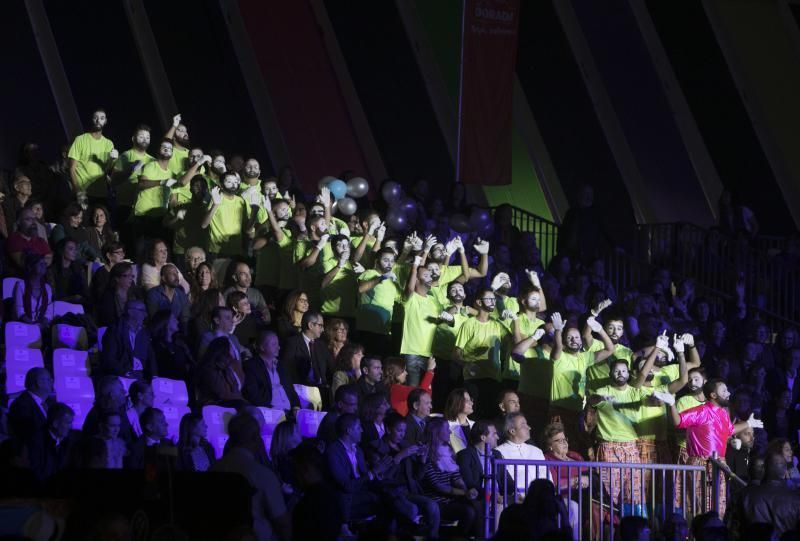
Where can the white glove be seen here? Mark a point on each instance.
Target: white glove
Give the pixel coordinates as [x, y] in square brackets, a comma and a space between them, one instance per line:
[736, 443]
[181, 214]
[374, 224]
[417, 260]
[430, 242]
[666, 398]
[325, 197]
[265, 202]
[114, 154]
[558, 322]
[381, 232]
[481, 246]
[416, 242]
[450, 247]
[662, 342]
[176, 120]
[358, 268]
[538, 333]
[83, 200]
[390, 276]
[509, 314]
[678, 344]
[458, 244]
[534, 278]
[601, 306]
[323, 240]
[170, 182]
[593, 324]
[216, 196]
[688, 340]
[446, 316]
[498, 281]
[205, 159]
[752, 422]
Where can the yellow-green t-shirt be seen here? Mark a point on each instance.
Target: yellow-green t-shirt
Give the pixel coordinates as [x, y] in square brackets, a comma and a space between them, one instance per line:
[225, 230]
[651, 423]
[448, 274]
[339, 297]
[599, 374]
[536, 371]
[127, 189]
[338, 227]
[569, 380]
[92, 157]
[179, 162]
[268, 268]
[288, 270]
[616, 422]
[310, 279]
[368, 259]
[375, 310]
[419, 324]
[150, 201]
[444, 340]
[481, 346]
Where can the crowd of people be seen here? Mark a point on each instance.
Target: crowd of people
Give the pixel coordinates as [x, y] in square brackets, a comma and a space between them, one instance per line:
[432, 332]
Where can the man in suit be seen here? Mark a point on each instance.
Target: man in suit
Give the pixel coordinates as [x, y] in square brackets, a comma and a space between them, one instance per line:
[419, 408]
[306, 358]
[127, 349]
[265, 380]
[28, 413]
[345, 401]
[471, 460]
[371, 378]
[154, 434]
[51, 447]
[109, 397]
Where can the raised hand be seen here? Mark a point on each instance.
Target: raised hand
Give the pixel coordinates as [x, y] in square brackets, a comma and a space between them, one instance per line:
[381, 232]
[430, 242]
[662, 342]
[481, 246]
[498, 281]
[602, 305]
[417, 261]
[688, 340]
[594, 324]
[205, 159]
[533, 277]
[509, 314]
[216, 196]
[358, 268]
[114, 154]
[752, 422]
[678, 344]
[325, 197]
[558, 321]
[459, 246]
[176, 120]
[265, 202]
[323, 240]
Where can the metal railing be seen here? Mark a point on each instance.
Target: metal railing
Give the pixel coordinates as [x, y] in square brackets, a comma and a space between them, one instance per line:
[608, 492]
[544, 230]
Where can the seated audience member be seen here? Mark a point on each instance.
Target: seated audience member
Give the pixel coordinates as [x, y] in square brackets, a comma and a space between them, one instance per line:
[305, 357]
[194, 257]
[271, 520]
[99, 233]
[17, 199]
[285, 438]
[200, 317]
[109, 424]
[472, 460]
[265, 381]
[516, 447]
[457, 410]
[154, 433]
[27, 414]
[168, 295]
[347, 366]
[69, 276]
[109, 397]
[157, 257]
[784, 447]
[72, 228]
[118, 292]
[373, 411]
[194, 451]
[140, 397]
[222, 327]
[315, 497]
[242, 279]
[344, 401]
[127, 348]
[25, 240]
[336, 333]
[442, 481]
[371, 380]
[418, 404]
[51, 448]
[773, 501]
[173, 357]
[394, 378]
[246, 325]
[203, 279]
[33, 296]
[219, 377]
[290, 323]
[571, 481]
[113, 253]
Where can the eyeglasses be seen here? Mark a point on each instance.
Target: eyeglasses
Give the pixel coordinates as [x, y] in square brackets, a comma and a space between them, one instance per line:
[489, 299]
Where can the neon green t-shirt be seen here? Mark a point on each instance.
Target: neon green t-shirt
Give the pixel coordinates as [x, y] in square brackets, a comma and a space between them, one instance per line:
[481, 346]
[537, 370]
[179, 162]
[339, 297]
[225, 230]
[419, 324]
[126, 190]
[368, 259]
[150, 201]
[338, 227]
[651, 423]
[375, 310]
[444, 339]
[569, 380]
[616, 422]
[310, 279]
[268, 268]
[448, 274]
[599, 374]
[92, 157]
[288, 270]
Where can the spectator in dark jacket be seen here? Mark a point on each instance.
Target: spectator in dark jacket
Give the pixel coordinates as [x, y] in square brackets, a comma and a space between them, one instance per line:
[266, 382]
[127, 347]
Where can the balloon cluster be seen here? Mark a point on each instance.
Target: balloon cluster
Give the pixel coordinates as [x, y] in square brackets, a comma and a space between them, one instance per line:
[402, 210]
[345, 193]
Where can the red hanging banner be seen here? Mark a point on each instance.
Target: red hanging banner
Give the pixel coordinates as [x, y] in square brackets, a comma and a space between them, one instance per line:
[488, 62]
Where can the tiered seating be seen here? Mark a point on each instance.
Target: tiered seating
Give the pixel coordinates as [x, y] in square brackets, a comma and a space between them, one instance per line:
[172, 397]
[271, 419]
[308, 421]
[310, 397]
[216, 418]
[18, 361]
[70, 336]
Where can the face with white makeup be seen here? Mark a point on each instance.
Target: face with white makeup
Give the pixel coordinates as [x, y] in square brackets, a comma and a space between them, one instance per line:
[218, 164]
[99, 120]
[230, 183]
[252, 169]
[182, 135]
[165, 150]
[270, 189]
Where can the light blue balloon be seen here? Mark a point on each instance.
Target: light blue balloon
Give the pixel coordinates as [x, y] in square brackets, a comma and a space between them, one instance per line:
[338, 188]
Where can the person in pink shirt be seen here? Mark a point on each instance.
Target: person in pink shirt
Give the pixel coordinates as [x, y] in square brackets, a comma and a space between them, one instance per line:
[708, 428]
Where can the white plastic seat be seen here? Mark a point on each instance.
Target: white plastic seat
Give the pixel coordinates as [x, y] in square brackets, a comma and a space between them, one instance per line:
[70, 337]
[171, 392]
[22, 335]
[271, 419]
[18, 362]
[217, 418]
[70, 362]
[72, 387]
[62, 307]
[81, 406]
[310, 397]
[174, 414]
[8, 287]
[309, 421]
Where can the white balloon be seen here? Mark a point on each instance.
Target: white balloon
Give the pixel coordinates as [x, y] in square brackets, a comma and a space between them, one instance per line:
[347, 206]
[357, 187]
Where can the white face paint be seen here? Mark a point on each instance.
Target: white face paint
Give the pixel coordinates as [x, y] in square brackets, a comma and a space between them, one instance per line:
[181, 133]
[99, 120]
[231, 183]
[322, 227]
[270, 190]
[141, 139]
[317, 210]
[252, 169]
[282, 212]
[195, 156]
[165, 151]
[219, 164]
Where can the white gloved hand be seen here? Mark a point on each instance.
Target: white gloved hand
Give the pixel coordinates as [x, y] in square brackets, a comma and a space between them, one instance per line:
[216, 196]
[446, 316]
[205, 159]
[602, 305]
[678, 344]
[381, 232]
[497, 281]
[430, 242]
[666, 398]
[736, 443]
[390, 276]
[181, 214]
[450, 247]
[481, 246]
[558, 322]
[458, 245]
[323, 240]
[509, 314]
[752, 422]
[83, 200]
[662, 342]
[538, 333]
[417, 260]
[325, 197]
[374, 224]
[114, 154]
[170, 182]
[176, 120]
[594, 324]
[534, 278]
[416, 242]
[688, 340]
[265, 202]
[358, 268]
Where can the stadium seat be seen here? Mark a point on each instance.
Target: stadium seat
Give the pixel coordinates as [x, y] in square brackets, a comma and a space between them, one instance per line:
[61, 307]
[72, 387]
[309, 421]
[70, 337]
[81, 406]
[216, 418]
[271, 419]
[174, 414]
[70, 362]
[310, 397]
[18, 362]
[22, 335]
[170, 392]
[8, 287]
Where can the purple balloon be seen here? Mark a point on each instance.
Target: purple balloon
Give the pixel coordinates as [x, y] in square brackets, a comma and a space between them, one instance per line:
[391, 192]
[479, 218]
[396, 220]
[459, 223]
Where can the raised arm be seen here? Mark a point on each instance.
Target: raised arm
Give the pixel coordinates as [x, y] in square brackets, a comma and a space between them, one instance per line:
[683, 372]
[558, 344]
[216, 201]
[522, 346]
[692, 356]
[311, 258]
[411, 284]
[608, 345]
[662, 343]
